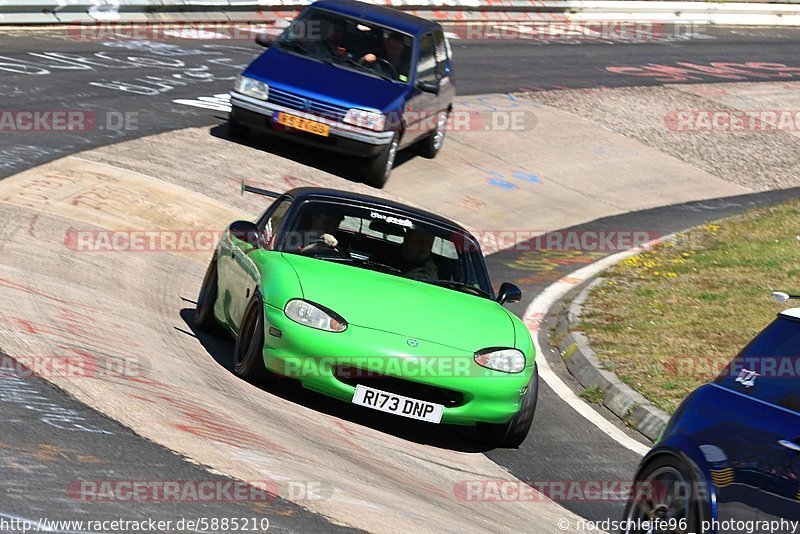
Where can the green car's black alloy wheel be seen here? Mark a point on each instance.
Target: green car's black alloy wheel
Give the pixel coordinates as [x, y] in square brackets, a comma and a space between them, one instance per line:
[248, 359]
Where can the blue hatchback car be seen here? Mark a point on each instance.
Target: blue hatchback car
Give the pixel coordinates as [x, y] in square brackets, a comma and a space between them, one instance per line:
[730, 455]
[354, 78]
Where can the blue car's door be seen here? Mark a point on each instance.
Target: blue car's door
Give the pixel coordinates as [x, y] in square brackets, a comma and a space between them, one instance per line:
[422, 106]
[767, 374]
[780, 471]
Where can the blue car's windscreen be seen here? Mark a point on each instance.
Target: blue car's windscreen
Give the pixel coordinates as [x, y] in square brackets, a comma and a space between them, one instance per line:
[348, 43]
[769, 367]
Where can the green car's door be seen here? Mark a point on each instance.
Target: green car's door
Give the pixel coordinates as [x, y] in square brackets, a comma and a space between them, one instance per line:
[243, 275]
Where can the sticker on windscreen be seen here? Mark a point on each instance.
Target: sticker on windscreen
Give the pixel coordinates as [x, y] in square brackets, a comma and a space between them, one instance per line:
[391, 219]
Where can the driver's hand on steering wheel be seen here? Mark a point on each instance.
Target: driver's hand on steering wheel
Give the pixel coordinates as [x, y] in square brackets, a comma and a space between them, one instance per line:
[369, 58]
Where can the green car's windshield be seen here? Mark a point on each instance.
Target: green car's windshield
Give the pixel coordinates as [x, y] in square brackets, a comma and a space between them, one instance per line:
[348, 43]
[389, 242]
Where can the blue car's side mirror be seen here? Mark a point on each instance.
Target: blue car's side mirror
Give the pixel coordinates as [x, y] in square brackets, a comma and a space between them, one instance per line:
[264, 40]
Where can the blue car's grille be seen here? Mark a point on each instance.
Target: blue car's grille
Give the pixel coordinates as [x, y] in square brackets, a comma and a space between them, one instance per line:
[309, 105]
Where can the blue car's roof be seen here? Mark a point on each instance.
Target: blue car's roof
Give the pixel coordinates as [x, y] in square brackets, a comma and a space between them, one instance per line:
[383, 16]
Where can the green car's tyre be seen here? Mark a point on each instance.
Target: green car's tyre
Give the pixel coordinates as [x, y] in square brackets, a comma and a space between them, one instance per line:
[204, 310]
[378, 170]
[248, 359]
[512, 434]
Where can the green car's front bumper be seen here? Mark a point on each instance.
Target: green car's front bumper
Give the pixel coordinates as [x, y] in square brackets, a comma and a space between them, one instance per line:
[409, 367]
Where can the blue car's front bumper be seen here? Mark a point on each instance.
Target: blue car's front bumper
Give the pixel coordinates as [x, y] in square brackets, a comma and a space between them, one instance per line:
[344, 138]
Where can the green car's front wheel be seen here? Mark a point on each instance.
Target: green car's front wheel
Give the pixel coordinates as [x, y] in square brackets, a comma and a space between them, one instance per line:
[248, 359]
[513, 433]
[204, 311]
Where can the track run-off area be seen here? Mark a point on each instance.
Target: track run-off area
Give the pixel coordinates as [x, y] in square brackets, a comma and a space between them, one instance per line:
[156, 158]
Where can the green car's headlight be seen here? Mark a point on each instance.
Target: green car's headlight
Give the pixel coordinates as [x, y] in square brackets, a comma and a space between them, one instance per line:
[505, 360]
[315, 316]
[250, 87]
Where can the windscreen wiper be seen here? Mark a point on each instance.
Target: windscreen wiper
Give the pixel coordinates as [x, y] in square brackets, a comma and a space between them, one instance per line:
[368, 70]
[455, 284]
[373, 263]
[297, 47]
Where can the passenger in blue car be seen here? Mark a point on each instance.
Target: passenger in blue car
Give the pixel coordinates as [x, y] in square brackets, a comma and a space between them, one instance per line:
[334, 38]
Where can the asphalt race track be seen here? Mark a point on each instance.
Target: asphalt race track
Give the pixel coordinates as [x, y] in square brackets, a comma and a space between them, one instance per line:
[136, 89]
[55, 70]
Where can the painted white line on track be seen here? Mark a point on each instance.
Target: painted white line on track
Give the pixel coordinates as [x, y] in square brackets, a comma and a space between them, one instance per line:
[534, 314]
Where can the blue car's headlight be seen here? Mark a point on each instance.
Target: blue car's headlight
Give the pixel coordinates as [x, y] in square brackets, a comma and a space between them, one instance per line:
[365, 119]
[312, 315]
[250, 87]
[505, 360]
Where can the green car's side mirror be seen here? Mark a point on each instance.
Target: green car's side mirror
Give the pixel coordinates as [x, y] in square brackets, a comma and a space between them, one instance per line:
[246, 231]
[508, 293]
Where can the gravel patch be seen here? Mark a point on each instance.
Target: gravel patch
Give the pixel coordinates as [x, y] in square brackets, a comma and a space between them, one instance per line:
[756, 160]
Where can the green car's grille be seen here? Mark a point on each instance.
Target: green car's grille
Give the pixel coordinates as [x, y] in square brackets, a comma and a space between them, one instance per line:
[354, 376]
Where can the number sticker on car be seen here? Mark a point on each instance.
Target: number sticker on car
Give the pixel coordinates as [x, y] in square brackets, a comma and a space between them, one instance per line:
[398, 405]
[299, 123]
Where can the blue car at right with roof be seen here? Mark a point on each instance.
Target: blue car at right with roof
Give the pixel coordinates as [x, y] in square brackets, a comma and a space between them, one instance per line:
[352, 78]
[730, 455]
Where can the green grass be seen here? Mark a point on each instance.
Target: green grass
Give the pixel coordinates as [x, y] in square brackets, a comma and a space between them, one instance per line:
[593, 395]
[669, 319]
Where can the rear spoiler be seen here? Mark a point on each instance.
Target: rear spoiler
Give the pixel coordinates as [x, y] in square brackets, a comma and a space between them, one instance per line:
[258, 190]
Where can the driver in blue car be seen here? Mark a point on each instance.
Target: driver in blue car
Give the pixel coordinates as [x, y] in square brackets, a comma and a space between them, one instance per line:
[393, 52]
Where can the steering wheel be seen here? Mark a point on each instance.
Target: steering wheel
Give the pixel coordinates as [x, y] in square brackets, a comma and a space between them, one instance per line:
[381, 65]
[312, 248]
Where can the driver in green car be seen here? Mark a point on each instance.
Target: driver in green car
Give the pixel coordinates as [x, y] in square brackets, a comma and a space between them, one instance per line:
[320, 235]
[416, 256]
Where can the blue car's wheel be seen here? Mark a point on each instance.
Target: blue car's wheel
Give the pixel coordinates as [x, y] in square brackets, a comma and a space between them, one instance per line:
[430, 146]
[379, 169]
[248, 359]
[512, 434]
[236, 129]
[665, 497]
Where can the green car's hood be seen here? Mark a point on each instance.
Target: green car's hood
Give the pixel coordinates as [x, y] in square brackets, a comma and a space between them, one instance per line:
[402, 306]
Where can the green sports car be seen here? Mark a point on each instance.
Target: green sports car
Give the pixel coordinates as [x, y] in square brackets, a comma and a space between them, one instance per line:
[373, 303]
